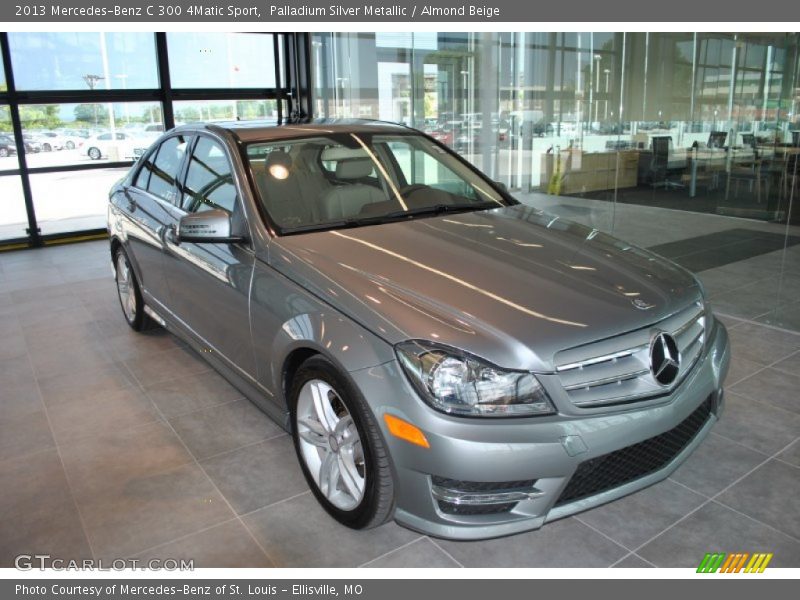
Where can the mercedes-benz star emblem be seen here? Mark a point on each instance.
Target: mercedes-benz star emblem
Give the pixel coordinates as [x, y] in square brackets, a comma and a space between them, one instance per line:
[665, 360]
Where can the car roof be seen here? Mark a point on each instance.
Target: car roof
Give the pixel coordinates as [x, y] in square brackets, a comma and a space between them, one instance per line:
[267, 131]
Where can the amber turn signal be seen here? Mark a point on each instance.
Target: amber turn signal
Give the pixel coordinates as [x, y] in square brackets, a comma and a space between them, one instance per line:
[405, 431]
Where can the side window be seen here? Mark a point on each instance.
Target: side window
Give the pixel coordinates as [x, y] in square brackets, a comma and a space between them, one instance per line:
[143, 176]
[104, 137]
[209, 180]
[165, 167]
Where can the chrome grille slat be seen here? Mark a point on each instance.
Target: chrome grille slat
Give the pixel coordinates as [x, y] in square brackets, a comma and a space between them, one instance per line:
[607, 380]
[617, 370]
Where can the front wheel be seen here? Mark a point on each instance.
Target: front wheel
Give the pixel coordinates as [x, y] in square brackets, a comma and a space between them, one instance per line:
[95, 154]
[339, 445]
[70, 145]
[3, 152]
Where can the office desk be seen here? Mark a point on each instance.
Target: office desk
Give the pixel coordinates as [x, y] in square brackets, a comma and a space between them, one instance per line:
[710, 161]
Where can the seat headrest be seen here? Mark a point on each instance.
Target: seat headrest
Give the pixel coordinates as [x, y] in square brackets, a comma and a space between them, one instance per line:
[353, 168]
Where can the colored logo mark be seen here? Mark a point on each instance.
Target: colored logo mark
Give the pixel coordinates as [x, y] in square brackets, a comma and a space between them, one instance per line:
[737, 562]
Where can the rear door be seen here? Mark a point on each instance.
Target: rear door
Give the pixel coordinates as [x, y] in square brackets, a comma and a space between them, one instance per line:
[209, 283]
[148, 203]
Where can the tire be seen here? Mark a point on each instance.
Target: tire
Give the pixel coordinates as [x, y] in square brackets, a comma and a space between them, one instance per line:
[376, 504]
[94, 153]
[129, 294]
[3, 152]
[70, 145]
[47, 147]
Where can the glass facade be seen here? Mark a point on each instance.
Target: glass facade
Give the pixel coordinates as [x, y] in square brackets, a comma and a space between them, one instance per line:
[89, 104]
[684, 143]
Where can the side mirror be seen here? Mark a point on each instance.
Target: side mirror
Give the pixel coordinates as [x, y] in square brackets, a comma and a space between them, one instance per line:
[209, 226]
[502, 186]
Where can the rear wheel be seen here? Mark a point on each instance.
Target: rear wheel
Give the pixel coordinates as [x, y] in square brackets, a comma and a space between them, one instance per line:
[47, 147]
[130, 297]
[3, 152]
[94, 153]
[339, 445]
[70, 145]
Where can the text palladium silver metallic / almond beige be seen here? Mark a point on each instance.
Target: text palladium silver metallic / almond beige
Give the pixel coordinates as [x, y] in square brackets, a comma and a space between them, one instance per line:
[442, 354]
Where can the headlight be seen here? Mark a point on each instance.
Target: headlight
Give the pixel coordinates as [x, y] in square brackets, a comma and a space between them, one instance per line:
[457, 383]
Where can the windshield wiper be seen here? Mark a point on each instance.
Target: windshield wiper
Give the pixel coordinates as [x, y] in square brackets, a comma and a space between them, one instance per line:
[438, 209]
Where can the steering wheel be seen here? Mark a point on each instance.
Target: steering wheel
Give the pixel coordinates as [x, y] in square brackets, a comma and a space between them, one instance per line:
[410, 189]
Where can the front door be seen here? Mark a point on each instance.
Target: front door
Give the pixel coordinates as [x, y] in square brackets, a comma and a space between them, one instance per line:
[209, 283]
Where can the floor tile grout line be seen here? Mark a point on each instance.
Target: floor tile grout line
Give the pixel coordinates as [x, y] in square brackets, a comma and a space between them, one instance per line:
[751, 320]
[450, 556]
[196, 410]
[180, 538]
[26, 455]
[71, 489]
[757, 323]
[738, 443]
[628, 555]
[711, 498]
[752, 518]
[755, 520]
[788, 412]
[605, 535]
[276, 503]
[787, 463]
[390, 552]
[271, 438]
[764, 368]
[208, 477]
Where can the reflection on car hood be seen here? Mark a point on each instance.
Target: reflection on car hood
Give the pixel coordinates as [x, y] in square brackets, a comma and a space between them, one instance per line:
[513, 285]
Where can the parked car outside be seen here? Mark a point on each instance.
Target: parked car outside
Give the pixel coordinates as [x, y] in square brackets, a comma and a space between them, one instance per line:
[32, 143]
[116, 145]
[7, 146]
[441, 354]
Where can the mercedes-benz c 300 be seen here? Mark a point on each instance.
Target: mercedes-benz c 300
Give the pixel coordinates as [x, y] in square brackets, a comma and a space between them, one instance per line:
[442, 354]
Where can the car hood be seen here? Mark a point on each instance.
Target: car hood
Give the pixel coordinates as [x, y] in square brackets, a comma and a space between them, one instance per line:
[512, 285]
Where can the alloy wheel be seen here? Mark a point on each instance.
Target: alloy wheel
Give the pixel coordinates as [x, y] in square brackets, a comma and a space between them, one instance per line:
[330, 445]
[127, 294]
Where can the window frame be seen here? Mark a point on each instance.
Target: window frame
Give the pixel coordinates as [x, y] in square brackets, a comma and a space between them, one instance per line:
[291, 92]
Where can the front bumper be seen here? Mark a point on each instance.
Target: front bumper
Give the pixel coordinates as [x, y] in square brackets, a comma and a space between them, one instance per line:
[544, 450]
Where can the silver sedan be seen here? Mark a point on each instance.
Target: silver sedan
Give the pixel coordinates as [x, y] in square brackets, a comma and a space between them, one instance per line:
[442, 354]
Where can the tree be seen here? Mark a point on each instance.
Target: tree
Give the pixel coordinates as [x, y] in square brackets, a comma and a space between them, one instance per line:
[92, 114]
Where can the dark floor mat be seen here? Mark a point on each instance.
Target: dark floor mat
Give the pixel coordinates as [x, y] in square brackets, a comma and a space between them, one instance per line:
[723, 248]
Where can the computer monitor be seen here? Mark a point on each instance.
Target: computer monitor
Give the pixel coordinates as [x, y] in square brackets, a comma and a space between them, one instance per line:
[716, 139]
[796, 138]
[749, 139]
[659, 142]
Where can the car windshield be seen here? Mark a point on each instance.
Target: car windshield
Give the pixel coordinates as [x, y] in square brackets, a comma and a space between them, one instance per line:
[349, 180]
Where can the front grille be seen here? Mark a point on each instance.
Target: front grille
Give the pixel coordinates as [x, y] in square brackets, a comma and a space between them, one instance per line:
[628, 464]
[617, 370]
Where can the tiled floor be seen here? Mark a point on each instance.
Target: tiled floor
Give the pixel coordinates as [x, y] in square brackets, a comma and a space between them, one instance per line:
[94, 462]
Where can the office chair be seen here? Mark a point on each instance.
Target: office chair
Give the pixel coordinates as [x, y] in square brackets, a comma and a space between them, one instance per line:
[659, 166]
[750, 174]
[716, 139]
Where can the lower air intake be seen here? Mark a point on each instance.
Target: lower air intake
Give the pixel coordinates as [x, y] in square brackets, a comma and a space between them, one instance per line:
[633, 462]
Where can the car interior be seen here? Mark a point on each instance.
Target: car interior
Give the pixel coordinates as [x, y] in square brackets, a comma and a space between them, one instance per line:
[319, 181]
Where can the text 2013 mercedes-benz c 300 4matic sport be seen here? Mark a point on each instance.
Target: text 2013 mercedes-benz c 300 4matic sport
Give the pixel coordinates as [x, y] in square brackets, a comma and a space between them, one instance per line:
[442, 354]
